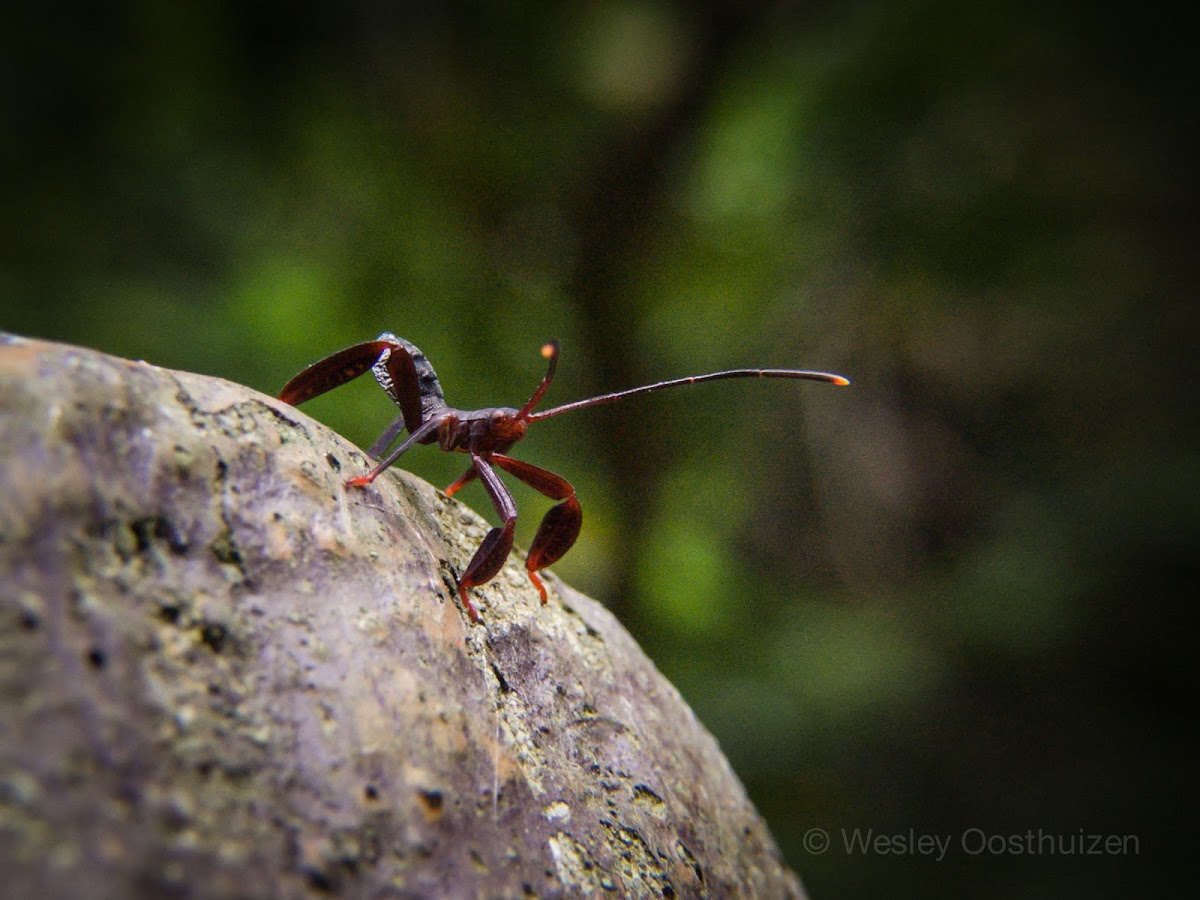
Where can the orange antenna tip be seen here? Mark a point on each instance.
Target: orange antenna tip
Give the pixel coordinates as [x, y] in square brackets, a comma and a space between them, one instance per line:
[549, 349]
[838, 379]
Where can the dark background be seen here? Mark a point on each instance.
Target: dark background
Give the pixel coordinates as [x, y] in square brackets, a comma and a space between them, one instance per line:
[957, 595]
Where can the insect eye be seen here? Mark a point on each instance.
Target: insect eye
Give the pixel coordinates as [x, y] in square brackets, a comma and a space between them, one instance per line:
[498, 417]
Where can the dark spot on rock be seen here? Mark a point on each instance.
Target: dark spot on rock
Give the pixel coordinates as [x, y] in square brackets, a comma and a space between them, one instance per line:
[504, 685]
[174, 818]
[214, 690]
[144, 531]
[156, 528]
[97, 658]
[320, 881]
[214, 634]
[222, 468]
[371, 792]
[225, 550]
[30, 621]
[643, 794]
[333, 462]
[668, 891]
[432, 800]
[169, 613]
[685, 855]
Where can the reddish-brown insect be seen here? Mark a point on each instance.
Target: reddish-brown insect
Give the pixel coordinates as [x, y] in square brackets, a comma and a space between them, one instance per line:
[486, 434]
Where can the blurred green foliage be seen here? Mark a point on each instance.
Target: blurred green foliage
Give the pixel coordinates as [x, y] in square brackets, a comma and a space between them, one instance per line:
[949, 597]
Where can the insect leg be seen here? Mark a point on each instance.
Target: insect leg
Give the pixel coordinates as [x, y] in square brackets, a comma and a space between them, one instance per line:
[333, 371]
[561, 524]
[415, 437]
[384, 441]
[467, 477]
[492, 553]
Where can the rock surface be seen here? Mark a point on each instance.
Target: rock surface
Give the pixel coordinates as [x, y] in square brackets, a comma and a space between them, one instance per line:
[225, 674]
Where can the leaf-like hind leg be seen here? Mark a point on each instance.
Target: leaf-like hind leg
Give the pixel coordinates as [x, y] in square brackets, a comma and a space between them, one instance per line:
[561, 524]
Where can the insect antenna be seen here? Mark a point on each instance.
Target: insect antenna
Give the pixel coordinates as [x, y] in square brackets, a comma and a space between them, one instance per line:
[529, 415]
[550, 352]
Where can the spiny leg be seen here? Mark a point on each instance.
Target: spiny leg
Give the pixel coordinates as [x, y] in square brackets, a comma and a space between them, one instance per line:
[492, 553]
[560, 526]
